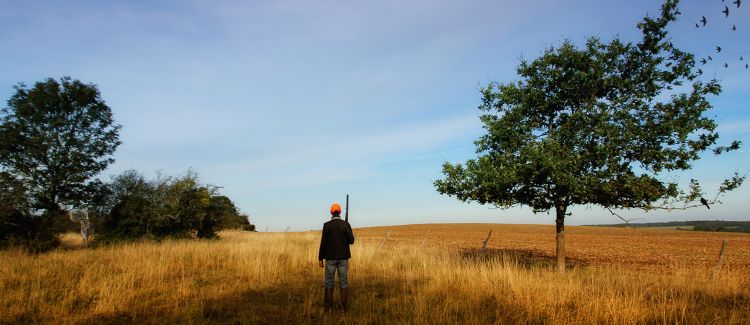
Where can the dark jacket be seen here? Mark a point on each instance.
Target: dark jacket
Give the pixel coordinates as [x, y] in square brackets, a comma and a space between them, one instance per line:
[335, 240]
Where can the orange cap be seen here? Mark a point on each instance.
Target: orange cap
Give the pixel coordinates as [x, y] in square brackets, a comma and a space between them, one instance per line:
[335, 208]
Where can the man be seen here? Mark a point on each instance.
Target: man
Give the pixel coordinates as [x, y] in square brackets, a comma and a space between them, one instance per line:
[334, 249]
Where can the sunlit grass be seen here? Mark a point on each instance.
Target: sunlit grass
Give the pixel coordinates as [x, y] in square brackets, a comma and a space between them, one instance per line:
[274, 278]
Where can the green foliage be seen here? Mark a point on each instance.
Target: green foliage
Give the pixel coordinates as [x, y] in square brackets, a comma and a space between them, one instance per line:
[223, 210]
[594, 125]
[54, 138]
[176, 207]
[18, 227]
[13, 200]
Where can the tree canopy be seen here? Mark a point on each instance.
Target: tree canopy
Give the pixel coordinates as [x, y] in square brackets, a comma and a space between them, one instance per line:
[55, 137]
[598, 125]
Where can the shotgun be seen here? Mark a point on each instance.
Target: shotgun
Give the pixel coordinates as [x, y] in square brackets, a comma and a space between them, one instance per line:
[346, 214]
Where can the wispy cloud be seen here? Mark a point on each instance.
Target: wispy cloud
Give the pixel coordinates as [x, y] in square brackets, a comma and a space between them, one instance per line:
[734, 127]
[337, 157]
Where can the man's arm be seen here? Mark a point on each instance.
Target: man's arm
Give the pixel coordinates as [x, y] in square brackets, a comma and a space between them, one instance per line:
[349, 234]
[322, 243]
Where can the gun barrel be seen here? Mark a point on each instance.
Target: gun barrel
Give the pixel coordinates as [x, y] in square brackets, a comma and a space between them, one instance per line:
[346, 214]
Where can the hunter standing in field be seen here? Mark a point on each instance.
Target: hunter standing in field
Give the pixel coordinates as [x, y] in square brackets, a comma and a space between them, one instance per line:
[334, 249]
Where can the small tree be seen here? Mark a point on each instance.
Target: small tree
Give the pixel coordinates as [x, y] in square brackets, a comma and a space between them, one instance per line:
[54, 138]
[599, 125]
[127, 212]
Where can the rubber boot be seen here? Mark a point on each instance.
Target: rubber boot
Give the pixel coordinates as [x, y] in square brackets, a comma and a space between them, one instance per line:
[344, 298]
[328, 299]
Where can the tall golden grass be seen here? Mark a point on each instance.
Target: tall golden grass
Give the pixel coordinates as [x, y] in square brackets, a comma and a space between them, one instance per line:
[250, 278]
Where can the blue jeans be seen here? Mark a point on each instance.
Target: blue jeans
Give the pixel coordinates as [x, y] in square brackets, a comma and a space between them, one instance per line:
[343, 267]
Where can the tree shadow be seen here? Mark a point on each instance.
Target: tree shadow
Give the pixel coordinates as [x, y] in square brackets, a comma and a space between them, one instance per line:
[526, 258]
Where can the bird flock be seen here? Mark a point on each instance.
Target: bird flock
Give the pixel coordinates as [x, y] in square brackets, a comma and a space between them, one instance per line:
[703, 23]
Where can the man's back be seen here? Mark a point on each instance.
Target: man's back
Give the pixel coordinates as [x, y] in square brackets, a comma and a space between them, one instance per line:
[336, 238]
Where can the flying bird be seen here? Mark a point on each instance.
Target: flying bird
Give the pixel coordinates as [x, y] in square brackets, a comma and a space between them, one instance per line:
[718, 49]
[710, 58]
[704, 202]
[703, 20]
[734, 27]
[697, 26]
[737, 2]
[726, 11]
[700, 72]
[741, 58]
[703, 61]
[745, 65]
[726, 65]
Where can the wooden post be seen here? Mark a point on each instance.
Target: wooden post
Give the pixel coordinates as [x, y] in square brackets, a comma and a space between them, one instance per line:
[484, 244]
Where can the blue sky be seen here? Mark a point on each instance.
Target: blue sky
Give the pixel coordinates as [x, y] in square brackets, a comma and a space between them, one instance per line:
[290, 105]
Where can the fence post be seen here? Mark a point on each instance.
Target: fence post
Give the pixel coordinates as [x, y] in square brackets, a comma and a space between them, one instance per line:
[484, 244]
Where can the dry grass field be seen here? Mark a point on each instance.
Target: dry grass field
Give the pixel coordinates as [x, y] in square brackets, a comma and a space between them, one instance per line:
[418, 274]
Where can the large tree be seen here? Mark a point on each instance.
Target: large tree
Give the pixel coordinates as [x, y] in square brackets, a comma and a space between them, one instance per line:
[54, 138]
[605, 124]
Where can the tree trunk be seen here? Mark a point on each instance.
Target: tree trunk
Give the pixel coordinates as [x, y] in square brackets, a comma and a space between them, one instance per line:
[55, 219]
[560, 229]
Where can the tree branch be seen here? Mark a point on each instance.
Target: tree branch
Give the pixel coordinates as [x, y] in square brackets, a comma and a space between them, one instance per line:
[627, 221]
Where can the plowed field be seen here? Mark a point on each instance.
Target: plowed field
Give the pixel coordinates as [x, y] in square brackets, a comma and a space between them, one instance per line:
[659, 250]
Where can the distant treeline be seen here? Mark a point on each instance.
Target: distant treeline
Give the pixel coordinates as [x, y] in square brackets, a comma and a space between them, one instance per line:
[701, 225]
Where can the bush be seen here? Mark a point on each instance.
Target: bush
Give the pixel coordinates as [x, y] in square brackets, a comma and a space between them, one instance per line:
[248, 227]
[176, 207]
[19, 227]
